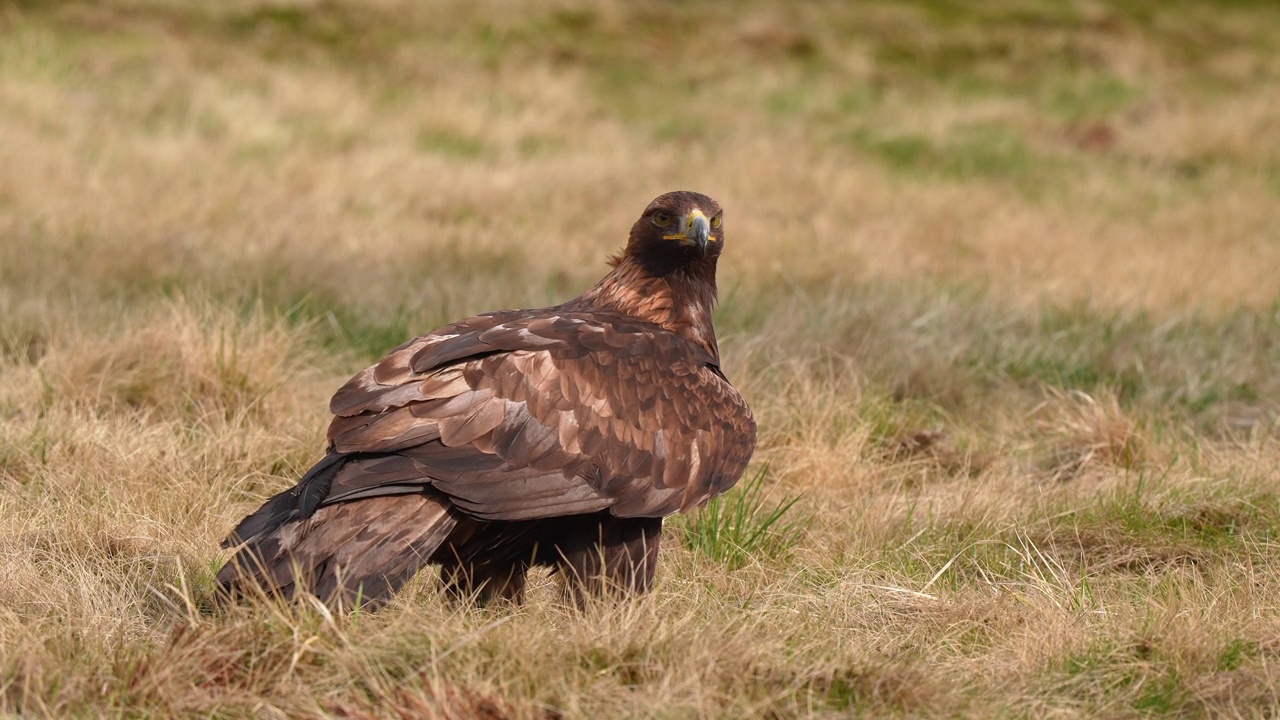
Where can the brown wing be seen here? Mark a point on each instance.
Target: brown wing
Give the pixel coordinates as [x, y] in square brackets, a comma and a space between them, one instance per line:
[531, 414]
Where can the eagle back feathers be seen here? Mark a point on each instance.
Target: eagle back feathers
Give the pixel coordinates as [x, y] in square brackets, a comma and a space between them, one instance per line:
[541, 413]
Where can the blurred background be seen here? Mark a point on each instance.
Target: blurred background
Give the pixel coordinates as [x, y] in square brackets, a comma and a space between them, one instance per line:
[1122, 154]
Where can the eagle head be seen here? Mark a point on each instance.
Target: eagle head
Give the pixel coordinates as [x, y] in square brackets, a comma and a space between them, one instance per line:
[677, 230]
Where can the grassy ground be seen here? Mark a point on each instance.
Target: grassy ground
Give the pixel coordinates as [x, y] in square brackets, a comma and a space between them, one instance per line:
[1001, 285]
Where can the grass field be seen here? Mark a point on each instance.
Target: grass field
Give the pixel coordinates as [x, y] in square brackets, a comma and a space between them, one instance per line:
[1002, 284]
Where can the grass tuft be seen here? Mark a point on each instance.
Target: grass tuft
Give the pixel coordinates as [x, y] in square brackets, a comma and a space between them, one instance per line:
[743, 526]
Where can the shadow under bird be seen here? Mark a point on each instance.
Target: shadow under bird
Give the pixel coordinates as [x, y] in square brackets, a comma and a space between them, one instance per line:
[557, 437]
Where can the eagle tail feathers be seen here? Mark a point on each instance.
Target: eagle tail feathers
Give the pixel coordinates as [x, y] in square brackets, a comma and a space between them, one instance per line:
[299, 501]
[347, 554]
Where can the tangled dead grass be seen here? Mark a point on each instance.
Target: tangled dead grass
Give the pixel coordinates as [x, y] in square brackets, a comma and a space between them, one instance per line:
[1083, 432]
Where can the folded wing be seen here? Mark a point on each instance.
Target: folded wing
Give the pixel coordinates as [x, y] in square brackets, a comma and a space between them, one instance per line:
[519, 417]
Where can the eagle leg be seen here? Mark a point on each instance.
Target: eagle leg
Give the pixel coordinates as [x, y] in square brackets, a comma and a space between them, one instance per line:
[487, 562]
[485, 583]
[618, 558]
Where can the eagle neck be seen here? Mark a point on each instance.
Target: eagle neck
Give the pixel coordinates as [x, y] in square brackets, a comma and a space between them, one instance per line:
[680, 301]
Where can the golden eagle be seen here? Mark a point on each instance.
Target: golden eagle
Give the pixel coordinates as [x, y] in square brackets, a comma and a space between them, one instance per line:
[552, 437]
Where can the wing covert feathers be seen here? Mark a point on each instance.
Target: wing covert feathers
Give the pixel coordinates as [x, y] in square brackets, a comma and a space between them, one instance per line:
[599, 409]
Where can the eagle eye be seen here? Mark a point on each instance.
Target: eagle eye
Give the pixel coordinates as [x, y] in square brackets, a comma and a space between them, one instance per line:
[661, 219]
[717, 221]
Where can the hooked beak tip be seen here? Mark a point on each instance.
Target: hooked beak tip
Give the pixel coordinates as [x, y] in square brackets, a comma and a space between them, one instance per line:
[699, 231]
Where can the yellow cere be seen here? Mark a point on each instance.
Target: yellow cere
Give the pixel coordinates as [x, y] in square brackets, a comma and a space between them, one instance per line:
[688, 221]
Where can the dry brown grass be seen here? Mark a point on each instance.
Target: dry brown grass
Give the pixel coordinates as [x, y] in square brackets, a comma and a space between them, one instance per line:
[1001, 288]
